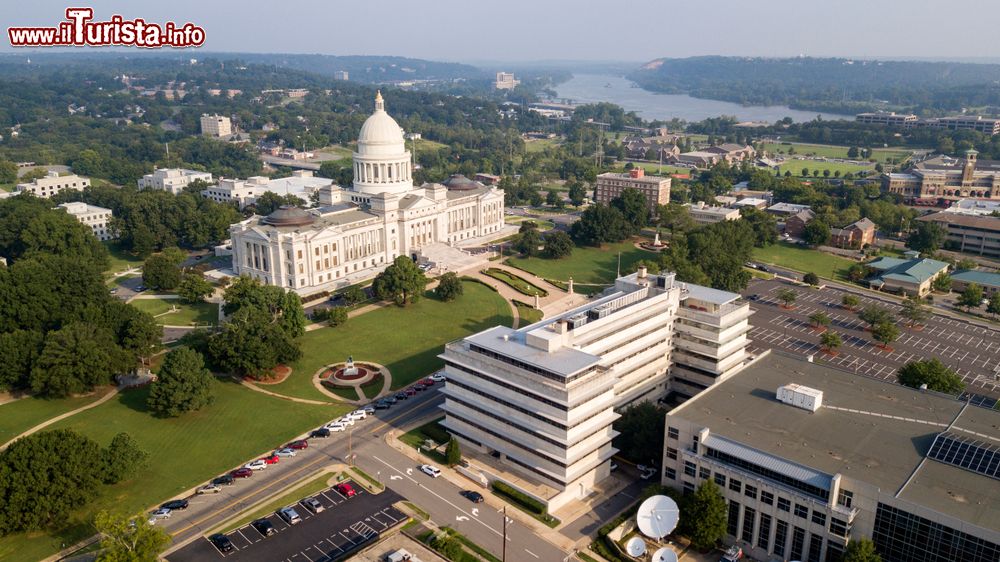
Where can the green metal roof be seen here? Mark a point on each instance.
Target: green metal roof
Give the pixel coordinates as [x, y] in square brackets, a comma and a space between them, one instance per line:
[982, 278]
[907, 271]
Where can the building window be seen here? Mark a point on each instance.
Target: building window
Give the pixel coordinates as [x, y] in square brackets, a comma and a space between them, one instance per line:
[688, 488]
[834, 552]
[671, 453]
[764, 531]
[704, 473]
[720, 479]
[734, 519]
[845, 498]
[767, 497]
[838, 527]
[671, 473]
[735, 485]
[798, 542]
[673, 433]
[749, 516]
[801, 511]
[689, 468]
[750, 491]
[819, 518]
[780, 536]
[784, 505]
[815, 548]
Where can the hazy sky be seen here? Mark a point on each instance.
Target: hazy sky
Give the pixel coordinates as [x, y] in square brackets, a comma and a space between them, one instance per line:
[525, 30]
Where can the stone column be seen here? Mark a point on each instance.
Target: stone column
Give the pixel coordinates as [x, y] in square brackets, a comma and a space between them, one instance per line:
[571, 285]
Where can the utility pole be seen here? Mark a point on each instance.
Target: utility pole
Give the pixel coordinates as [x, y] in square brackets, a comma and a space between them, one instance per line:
[503, 550]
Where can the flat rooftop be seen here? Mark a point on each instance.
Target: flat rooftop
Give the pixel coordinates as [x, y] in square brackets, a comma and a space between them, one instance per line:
[868, 430]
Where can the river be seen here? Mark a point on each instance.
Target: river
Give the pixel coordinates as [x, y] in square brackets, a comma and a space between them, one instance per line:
[590, 88]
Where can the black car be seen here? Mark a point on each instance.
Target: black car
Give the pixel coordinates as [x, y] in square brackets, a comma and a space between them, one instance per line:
[472, 496]
[221, 542]
[382, 405]
[321, 432]
[264, 527]
[753, 297]
[419, 387]
[402, 396]
[174, 505]
[390, 400]
[224, 480]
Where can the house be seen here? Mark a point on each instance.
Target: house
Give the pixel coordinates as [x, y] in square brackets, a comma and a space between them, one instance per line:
[795, 225]
[856, 235]
[906, 276]
[989, 281]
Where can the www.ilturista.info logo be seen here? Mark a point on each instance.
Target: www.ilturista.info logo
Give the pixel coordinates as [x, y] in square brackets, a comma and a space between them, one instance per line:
[78, 30]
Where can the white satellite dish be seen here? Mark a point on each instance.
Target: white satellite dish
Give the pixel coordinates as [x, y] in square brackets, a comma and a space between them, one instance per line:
[664, 555]
[657, 517]
[635, 547]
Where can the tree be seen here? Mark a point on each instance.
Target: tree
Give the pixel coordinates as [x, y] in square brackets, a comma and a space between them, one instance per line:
[129, 539]
[914, 311]
[280, 306]
[816, 233]
[558, 244]
[805, 172]
[641, 435]
[926, 237]
[599, 224]
[861, 550]
[811, 279]
[850, 302]
[764, 225]
[193, 288]
[704, 520]
[336, 316]
[402, 282]
[577, 193]
[528, 242]
[852, 152]
[966, 264]
[830, 341]
[993, 306]
[885, 333]
[931, 372]
[449, 287]
[675, 218]
[252, 344]
[819, 319]
[875, 314]
[269, 202]
[20, 350]
[121, 459]
[75, 359]
[453, 453]
[159, 272]
[634, 209]
[971, 297]
[354, 295]
[941, 283]
[8, 171]
[858, 272]
[787, 297]
[552, 198]
[183, 384]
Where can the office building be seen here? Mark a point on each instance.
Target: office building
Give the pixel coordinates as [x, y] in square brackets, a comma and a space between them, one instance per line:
[506, 81]
[216, 126]
[987, 280]
[976, 207]
[912, 276]
[97, 218]
[943, 177]
[971, 234]
[706, 214]
[173, 180]
[655, 189]
[53, 183]
[890, 118]
[542, 398]
[967, 123]
[809, 458]
[341, 75]
[301, 184]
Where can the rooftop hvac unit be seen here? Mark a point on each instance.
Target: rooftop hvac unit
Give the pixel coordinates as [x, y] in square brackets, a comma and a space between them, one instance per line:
[801, 396]
[599, 312]
[576, 321]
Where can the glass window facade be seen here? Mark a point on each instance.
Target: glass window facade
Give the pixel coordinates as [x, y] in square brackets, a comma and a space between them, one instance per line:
[780, 537]
[720, 479]
[784, 505]
[794, 483]
[900, 535]
[815, 548]
[764, 531]
[732, 525]
[798, 543]
[749, 516]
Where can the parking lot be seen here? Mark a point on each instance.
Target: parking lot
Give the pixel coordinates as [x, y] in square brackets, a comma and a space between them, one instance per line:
[972, 351]
[344, 526]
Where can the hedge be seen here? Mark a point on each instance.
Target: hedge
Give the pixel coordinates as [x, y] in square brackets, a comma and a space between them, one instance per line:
[527, 502]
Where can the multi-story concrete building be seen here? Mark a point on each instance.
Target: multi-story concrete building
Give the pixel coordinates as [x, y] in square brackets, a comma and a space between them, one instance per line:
[216, 126]
[542, 398]
[505, 81]
[53, 183]
[890, 118]
[301, 184]
[706, 214]
[97, 218]
[173, 180]
[611, 184]
[974, 207]
[967, 122]
[969, 233]
[857, 457]
[944, 177]
[341, 75]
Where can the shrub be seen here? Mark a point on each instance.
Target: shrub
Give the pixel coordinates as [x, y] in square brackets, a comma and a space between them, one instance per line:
[527, 502]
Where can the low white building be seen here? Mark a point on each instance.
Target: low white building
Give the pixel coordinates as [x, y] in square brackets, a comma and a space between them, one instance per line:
[216, 126]
[705, 214]
[53, 183]
[301, 184]
[542, 398]
[173, 180]
[97, 218]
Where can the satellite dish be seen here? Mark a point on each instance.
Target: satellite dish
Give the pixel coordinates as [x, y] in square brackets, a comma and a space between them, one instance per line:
[664, 555]
[635, 547]
[657, 517]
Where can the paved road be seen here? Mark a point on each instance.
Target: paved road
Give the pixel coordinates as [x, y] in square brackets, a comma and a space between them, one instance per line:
[972, 351]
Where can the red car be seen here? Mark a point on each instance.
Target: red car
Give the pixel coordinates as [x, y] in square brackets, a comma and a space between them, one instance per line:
[272, 459]
[345, 490]
[298, 445]
[241, 473]
[427, 382]
[410, 392]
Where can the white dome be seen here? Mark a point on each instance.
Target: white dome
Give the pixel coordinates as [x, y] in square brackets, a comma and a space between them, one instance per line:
[380, 129]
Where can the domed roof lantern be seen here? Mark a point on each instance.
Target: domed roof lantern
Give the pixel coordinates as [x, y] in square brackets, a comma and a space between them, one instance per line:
[289, 215]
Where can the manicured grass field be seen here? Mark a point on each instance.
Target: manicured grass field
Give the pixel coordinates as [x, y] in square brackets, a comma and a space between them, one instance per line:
[833, 151]
[183, 452]
[541, 144]
[795, 167]
[543, 224]
[431, 430]
[120, 261]
[337, 150]
[802, 258]
[21, 415]
[586, 264]
[406, 340]
[528, 314]
[515, 282]
[201, 314]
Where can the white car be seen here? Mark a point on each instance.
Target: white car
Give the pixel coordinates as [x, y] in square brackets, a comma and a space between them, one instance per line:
[437, 377]
[346, 420]
[336, 426]
[369, 410]
[209, 489]
[286, 452]
[358, 414]
[431, 471]
[258, 464]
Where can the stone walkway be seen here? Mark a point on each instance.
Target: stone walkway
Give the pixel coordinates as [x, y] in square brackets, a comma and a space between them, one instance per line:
[386, 385]
[254, 387]
[61, 417]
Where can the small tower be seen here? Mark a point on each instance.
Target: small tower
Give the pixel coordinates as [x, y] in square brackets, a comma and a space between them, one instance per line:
[379, 102]
[970, 166]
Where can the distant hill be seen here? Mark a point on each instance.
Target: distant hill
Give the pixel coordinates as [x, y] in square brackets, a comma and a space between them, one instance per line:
[829, 84]
[370, 69]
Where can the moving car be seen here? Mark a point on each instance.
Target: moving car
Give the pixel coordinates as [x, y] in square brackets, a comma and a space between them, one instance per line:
[224, 480]
[221, 542]
[289, 515]
[264, 527]
[174, 505]
[241, 473]
[319, 433]
[212, 488]
[472, 496]
[286, 452]
[345, 490]
[431, 471]
[313, 505]
[298, 445]
[258, 464]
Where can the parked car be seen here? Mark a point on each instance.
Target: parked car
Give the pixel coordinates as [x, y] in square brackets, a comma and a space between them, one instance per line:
[402, 396]
[346, 490]
[437, 377]
[357, 415]
[258, 464]
[346, 420]
[382, 405]
[162, 513]
[431, 471]
[271, 459]
[313, 505]
[174, 505]
[319, 433]
[410, 391]
[285, 452]
[473, 496]
[390, 400]
[369, 410]
[221, 542]
[140, 288]
[241, 473]
[426, 382]
[264, 527]
[647, 474]
[289, 515]
[298, 445]
[418, 388]
[335, 426]
[224, 480]
[614, 466]
[212, 488]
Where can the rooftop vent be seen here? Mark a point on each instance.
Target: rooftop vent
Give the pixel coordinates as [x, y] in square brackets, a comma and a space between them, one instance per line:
[801, 396]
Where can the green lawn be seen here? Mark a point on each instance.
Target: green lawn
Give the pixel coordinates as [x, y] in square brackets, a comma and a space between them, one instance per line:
[183, 452]
[515, 282]
[406, 340]
[335, 150]
[832, 151]
[796, 166]
[543, 224]
[802, 258]
[539, 145]
[120, 260]
[424, 145]
[586, 264]
[432, 431]
[528, 314]
[21, 415]
[201, 314]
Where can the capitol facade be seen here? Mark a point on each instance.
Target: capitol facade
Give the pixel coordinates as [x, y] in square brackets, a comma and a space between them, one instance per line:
[354, 233]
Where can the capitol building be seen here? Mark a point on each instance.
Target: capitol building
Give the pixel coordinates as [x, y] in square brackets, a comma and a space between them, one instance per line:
[354, 233]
